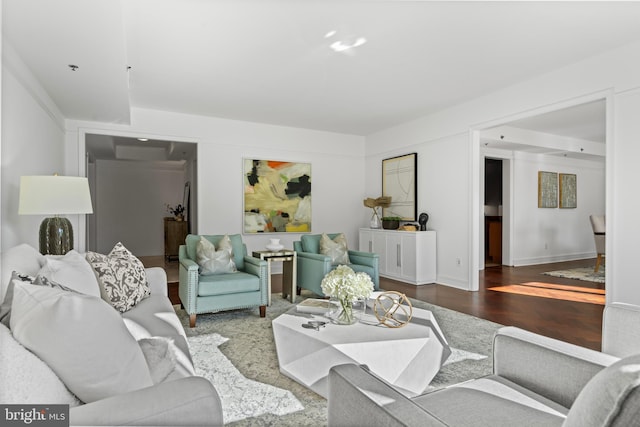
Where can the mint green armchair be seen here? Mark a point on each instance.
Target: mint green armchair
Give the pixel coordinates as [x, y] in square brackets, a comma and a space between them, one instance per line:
[313, 266]
[248, 287]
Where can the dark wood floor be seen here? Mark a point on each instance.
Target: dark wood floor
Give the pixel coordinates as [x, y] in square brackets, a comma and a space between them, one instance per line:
[576, 322]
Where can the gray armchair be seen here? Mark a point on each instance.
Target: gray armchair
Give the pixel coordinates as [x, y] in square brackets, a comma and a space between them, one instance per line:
[598, 225]
[313, 266]
[536, 381]
[248, 287]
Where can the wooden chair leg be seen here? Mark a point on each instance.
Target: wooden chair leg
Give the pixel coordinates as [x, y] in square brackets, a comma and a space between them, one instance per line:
[263, 310]
[598, 261]
[192, 320]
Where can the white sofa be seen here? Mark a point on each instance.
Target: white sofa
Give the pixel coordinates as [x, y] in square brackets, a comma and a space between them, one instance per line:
[174, 396]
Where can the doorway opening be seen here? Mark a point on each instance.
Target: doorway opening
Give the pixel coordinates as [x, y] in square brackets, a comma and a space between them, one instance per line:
[570, 139]
[492, 212]
[135, 184]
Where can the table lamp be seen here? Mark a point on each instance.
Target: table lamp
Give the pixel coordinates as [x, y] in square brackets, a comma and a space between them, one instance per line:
[54, 195]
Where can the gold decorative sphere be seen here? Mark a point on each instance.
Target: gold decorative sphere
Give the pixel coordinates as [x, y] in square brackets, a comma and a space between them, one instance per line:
[393, 309]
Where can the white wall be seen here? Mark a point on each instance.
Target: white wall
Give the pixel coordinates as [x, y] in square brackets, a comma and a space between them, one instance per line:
[439, 179]
[623, 227]
[32, 144]
[145, 186]
[337, 167]
[615, 74]
[543, 235]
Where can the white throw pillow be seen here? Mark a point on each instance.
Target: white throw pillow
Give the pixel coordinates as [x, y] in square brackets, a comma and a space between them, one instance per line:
[82, 339]
[23, 258]
[5, 307]
[73, 271]
[25, 379]
[121, 276]
[335, 249]
[165, 360]
[212, 261]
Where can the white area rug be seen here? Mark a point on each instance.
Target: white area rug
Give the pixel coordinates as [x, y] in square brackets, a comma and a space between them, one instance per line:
[241, 397]
[583, 273]
[244, 398]
[458, 355]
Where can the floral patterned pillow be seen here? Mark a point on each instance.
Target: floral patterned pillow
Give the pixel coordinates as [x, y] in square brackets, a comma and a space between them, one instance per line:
[121, 276]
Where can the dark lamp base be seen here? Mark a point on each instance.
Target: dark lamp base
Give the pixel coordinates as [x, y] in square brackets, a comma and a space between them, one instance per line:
[56, 236]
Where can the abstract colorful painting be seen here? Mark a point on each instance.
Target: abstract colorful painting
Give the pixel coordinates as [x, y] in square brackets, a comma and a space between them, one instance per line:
[277, 196]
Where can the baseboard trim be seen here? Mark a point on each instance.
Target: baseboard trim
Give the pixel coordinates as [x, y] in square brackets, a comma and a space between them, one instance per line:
[551, 259]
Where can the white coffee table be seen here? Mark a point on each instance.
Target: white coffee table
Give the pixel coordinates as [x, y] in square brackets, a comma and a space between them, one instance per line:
[407, 357]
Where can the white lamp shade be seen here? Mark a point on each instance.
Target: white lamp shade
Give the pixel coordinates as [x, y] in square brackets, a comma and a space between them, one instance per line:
[54, 195]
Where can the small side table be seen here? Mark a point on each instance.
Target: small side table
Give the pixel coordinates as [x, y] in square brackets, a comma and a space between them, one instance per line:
[289, 263]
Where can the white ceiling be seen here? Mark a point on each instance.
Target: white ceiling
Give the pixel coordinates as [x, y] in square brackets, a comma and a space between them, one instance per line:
[269, 61]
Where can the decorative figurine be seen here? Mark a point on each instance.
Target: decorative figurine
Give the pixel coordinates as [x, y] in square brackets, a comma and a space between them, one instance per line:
[422, 219]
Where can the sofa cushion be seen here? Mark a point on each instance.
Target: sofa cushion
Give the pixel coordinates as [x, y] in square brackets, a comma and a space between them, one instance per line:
[228, 284]
[26, 379]
[160, 354]
[611, 398]
[82, 339]
[335, 248]
[71, 270]
[215, 261]
[156, 317]
[122, 277]
[489, 402]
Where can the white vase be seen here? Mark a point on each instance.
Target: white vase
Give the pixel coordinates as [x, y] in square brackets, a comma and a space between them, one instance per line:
[346, 312]
[274, 245]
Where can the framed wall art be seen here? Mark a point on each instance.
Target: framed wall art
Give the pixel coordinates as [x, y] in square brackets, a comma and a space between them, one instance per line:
[277, 196]
[399, 181]
[568, 183]
[547, 189]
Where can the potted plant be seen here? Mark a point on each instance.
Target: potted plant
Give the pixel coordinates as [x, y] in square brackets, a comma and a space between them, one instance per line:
[391, 222]
[177, 211]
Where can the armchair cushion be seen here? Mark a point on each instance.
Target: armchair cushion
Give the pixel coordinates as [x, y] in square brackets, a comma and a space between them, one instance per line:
[335, 248]
[611, 398]
[311, 243]
[228, 284]
[212, 261]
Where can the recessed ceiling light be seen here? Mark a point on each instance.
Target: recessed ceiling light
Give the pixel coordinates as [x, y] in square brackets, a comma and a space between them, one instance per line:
[143, 139]
[342, 46]
[330, 34]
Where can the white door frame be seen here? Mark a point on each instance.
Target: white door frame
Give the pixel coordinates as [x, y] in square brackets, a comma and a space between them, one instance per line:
[477, 182]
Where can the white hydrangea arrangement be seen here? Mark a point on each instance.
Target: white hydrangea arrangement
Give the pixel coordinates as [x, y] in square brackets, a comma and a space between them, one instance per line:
[347, 286]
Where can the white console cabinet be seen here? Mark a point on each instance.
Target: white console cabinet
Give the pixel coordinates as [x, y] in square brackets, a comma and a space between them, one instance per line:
[408, 256]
